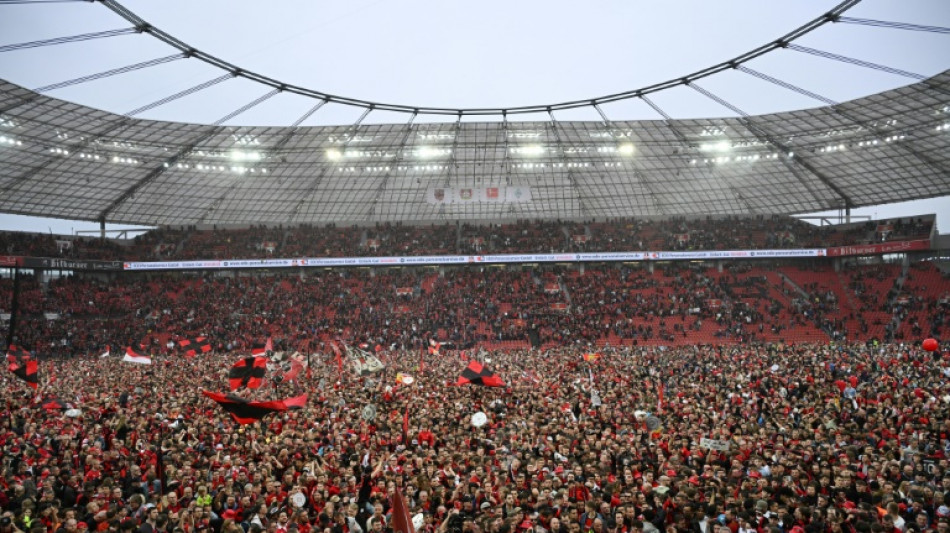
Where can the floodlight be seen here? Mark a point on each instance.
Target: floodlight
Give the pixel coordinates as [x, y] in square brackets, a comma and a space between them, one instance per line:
[241, 155]
[530, 150]
[426, 152]
[334, 154]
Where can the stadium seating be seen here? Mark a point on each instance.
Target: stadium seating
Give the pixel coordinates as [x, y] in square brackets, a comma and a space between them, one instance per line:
[679, 304]
[450, 238]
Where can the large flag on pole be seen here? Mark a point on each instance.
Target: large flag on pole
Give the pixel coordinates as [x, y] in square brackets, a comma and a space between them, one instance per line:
[248, 372]
[23, 366]
[195, 346]
[476, 374]
[134, 356]
[17, 354]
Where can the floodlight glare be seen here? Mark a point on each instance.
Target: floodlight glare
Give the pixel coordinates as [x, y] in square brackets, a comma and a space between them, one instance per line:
[241, 155]
[530, 150]
[427, 152]
[626, 149]
[720, 146]
[334, 154]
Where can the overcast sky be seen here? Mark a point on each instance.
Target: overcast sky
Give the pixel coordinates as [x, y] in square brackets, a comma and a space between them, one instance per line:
[453, 53]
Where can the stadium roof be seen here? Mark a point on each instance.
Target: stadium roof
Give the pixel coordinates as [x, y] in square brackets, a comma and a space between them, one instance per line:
[60, 159]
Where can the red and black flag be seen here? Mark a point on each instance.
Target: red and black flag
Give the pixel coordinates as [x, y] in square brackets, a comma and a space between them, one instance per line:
[247, 412]
[261, 349]
[248, 372]
[476, 374]
[195, 346]
[23, 366]
[53, 404]
[297, 402]
[17, 354]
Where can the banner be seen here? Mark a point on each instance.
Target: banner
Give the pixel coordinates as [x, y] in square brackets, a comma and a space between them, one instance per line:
[469, 259]
[9, 260]
[880, 248]
[713, 444]
[69, 264]
[477, 195]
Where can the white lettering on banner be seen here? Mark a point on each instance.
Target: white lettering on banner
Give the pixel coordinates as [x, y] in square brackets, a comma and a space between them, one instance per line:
[713, 444]
[464, 259]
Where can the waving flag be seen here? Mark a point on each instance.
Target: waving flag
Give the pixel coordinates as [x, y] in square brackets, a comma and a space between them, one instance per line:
[248, 372]
[107, 352]
[476, 374]
[247, 412]
[23, 366]
[17, 354]
[591, 357]
[53, 403]
[339, 357]
[134, 356]
[364, 363]
[401, 520]
[27, 371]
[261, 349]
[195, 346]
[296, 366]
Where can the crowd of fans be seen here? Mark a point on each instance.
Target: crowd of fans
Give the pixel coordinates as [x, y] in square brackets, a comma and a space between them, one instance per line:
[802, 438]
[492, 307]
[760, 398]
[712, 233]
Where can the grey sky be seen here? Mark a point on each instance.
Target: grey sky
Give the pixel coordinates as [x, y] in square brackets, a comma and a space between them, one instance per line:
[464, 54]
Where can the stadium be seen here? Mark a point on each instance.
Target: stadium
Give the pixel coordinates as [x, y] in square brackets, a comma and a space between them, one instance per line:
[526, 318]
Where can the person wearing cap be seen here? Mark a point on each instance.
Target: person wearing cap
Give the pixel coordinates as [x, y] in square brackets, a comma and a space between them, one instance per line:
[7, 525]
